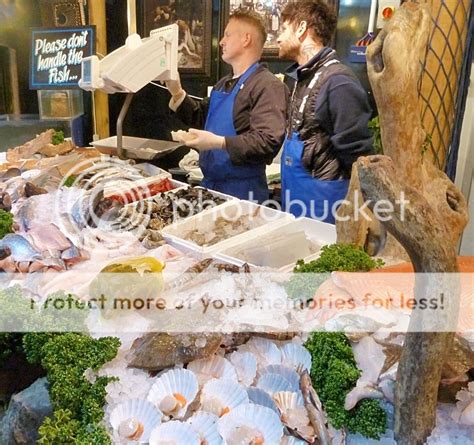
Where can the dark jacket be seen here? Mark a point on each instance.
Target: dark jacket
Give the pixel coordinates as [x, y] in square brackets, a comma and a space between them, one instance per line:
[330, 110]
[259, 117]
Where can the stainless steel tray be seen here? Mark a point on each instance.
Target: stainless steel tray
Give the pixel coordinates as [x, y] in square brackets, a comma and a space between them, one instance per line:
[137, 148]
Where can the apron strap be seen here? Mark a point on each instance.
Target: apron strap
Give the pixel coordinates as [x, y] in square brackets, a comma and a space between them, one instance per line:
[243, 78]
[307, 91]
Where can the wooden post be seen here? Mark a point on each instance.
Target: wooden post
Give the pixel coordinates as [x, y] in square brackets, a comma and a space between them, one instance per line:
[394, 73]
[420, 228]
[101, 100]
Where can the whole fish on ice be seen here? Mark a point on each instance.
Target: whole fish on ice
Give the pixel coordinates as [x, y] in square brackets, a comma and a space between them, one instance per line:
[20, 249]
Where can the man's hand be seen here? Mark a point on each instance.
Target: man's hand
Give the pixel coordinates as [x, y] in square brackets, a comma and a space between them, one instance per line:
[205, 140]
[175, 88]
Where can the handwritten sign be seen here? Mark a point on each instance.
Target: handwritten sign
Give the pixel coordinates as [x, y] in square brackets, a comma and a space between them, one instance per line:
[56, 56]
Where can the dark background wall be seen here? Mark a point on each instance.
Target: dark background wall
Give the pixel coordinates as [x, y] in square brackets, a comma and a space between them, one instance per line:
[149, 115]
[16, 19]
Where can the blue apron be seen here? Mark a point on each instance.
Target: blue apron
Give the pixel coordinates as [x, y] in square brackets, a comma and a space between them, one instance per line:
[241, 181]
[303, 195]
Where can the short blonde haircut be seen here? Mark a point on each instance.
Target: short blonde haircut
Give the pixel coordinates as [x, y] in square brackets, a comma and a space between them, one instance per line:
[252, 18]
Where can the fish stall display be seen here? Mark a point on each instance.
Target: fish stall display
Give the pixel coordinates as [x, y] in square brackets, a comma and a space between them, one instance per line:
[249, 396]
[281, 247]
[227, 352]
[165, 209]
[209, 232]
[223, 229]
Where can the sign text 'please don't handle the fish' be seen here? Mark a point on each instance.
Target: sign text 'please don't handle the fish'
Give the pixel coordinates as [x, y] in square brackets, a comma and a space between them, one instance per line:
[56, 56]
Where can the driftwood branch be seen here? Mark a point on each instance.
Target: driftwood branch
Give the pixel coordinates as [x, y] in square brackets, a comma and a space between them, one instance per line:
[417, 226]
[394, 68]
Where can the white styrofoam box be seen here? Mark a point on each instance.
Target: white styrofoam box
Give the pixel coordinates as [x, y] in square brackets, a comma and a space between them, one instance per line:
[178, 185]
[219, 194]
[123, 186]
[152, 170]
[232, 209]
[139, 175]
[316, 232]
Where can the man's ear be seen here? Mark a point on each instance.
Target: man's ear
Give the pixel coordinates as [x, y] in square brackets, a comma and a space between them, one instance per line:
[247, 39]
[301, 30]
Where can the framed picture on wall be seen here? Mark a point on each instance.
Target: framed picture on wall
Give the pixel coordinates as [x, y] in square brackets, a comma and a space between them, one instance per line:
[270, 10]
[194, 18]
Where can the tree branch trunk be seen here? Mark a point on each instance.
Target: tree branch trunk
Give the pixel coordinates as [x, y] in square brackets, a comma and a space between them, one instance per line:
[417, 226]
[394, 68]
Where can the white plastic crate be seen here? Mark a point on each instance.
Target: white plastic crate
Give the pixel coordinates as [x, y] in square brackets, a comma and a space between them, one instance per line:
[145, 174]
[175, 233]
[282, 246]
[219, 194]
[212, 192]
[178, 185]
[152, 170]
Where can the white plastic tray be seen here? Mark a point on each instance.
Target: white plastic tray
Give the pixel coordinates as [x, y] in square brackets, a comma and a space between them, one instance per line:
[212, 192]
[219, 194]
[152, 170]
[122, 186]
[316, 232]
[178, 185]
[176, 232]
[137, 148]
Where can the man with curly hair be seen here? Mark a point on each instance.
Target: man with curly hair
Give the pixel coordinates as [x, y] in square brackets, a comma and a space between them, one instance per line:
[327, 128]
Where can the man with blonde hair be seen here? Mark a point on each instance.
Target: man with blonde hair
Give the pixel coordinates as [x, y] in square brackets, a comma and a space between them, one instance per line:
[244, 118]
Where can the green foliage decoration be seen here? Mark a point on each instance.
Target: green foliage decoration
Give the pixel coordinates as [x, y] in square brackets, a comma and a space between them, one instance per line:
[334, 373]
[334, 257]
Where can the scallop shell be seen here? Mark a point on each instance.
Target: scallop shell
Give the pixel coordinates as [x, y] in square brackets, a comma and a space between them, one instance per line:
[245, 364]
[216, 367]
[286, 400]
[174, 433]
[293, 413]
[272, 383]
[287, 373]
[139, 410]
[222, 396]
[266, 352]
[205, 424]
[296, 356]
[250, 421]
[174, 391]
[260, 397]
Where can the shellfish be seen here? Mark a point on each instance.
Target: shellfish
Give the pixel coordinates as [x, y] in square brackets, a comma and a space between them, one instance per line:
[213, 367]
[205, 424]
[134, 420]
[173, 392]
[174, 433]
[222, 396]
[251, 424]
